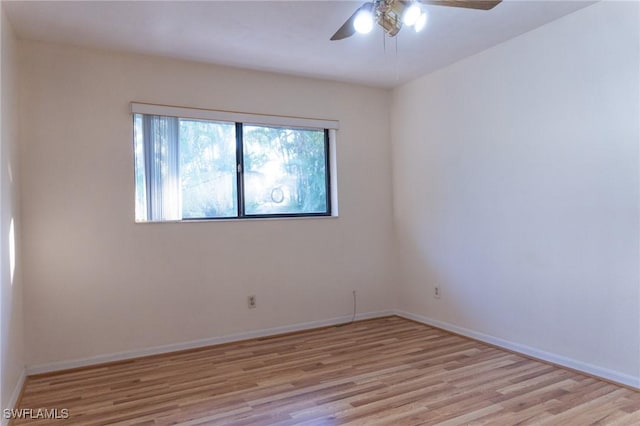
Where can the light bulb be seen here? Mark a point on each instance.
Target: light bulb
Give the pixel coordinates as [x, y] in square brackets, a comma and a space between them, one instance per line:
[411, 15]
[363, 23]
[421, 22]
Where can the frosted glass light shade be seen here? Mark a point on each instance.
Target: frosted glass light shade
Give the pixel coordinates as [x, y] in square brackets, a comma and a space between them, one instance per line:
[421, 22]
[411, 15]
[363, 23]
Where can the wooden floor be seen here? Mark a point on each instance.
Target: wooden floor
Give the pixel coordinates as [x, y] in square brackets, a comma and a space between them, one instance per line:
[387, 371]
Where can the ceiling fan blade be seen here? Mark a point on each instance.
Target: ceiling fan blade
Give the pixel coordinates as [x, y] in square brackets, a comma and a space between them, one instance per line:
[347, 29]
[467, 4]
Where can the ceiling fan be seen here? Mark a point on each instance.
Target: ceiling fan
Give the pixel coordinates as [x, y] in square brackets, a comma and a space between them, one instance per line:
[391, 14]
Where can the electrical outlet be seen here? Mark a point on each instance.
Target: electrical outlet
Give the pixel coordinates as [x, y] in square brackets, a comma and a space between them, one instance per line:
[251, 301]
[436, 292]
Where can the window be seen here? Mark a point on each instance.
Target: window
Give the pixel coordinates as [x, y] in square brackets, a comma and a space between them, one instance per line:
[199, 164]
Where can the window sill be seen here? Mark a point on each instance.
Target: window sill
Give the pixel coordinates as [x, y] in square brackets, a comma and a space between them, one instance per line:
[235, 219]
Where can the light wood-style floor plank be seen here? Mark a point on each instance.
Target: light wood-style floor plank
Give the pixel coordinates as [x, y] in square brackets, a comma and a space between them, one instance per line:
[386, 371]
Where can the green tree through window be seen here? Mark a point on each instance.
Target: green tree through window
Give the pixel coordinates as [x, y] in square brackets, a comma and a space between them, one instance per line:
[285, 170]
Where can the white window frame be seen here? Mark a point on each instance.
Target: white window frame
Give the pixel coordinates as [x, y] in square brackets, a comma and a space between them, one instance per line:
[259, 119]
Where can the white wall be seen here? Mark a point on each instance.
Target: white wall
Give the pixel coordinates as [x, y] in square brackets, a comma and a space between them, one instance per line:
[516, 191]
[99, 284]
[11, 324]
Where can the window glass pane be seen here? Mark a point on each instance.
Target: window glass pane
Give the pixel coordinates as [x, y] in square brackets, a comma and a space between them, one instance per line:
[208, 169]
[284, 171]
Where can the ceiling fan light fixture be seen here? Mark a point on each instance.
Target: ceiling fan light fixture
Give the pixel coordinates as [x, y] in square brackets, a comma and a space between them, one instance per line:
[391, 15]
[411, 15]
[363, 22]
[421, 22]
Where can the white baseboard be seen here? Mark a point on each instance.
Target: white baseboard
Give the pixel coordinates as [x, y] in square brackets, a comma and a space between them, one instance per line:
[13, 401]
[136, 353]
[612, 375]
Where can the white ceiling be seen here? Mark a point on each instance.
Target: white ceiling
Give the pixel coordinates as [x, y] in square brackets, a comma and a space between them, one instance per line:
[281, 36]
